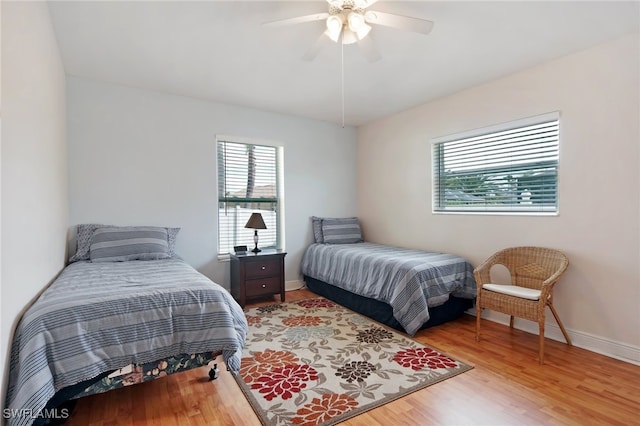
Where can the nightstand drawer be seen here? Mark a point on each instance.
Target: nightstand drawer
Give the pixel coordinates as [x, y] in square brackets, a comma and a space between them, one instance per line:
[262, 286]
[265, 268]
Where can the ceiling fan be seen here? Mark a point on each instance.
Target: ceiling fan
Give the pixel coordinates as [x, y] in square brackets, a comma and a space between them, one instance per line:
[348, 22]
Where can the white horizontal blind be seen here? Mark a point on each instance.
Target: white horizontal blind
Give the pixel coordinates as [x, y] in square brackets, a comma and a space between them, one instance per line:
[512, 168]
[247, 183]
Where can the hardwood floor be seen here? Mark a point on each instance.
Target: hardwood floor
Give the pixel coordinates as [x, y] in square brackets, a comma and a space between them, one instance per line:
[506, 387]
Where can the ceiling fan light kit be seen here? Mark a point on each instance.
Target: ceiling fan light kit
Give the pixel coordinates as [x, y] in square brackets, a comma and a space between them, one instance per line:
[348, 22]
[334, 27]
[347, 19]
[350, 25]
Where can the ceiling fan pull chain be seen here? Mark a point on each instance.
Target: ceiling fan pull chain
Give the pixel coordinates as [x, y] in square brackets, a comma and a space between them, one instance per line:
[342, 78]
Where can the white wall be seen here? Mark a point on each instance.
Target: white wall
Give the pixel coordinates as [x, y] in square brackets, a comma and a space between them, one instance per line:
[3, 354]
[34, 165]
[597, 92]
[143, 157]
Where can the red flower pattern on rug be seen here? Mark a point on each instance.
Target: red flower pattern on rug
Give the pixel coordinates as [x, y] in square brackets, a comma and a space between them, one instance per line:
[323, 409]
[251, 368]
[285, 381]
[314, 362]
[301, 321]
[416, 359]
[253, 320]
[316, 303]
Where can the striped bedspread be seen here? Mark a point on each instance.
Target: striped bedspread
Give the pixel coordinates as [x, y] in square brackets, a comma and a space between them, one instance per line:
[98, 317]
[410, 281]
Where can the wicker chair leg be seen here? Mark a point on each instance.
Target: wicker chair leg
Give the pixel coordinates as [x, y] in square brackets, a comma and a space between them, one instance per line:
[511, 322]
[478, 312]
[541, 342]
[564, 332]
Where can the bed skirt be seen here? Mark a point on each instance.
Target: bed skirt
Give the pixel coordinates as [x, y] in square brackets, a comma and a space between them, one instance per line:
[381, 311]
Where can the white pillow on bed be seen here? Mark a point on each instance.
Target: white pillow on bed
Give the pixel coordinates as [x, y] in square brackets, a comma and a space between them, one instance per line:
[84, 233]
[120, 244]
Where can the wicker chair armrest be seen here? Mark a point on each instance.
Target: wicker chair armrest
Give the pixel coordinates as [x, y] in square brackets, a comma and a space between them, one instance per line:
[547, 285]
[546, 290]
[482, 276]
[556, 275]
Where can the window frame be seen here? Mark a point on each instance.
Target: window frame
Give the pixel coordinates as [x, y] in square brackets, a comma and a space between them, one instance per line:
[437, 194]
[279, 149]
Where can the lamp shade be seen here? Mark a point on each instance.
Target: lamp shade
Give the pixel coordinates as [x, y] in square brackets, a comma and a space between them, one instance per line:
[255, 222]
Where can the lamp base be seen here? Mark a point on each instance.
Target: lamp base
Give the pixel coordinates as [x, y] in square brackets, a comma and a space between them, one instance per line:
[255, 240]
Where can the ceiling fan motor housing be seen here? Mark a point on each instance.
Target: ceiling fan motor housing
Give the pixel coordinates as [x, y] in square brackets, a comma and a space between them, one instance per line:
[346, 18]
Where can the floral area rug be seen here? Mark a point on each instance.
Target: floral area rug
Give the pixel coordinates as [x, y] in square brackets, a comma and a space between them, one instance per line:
[314, 362]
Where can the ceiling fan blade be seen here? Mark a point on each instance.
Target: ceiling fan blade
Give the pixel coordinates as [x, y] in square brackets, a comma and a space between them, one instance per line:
[317, 46]
[297, 20]
[406, 23]
[368, 3]
[369, 49]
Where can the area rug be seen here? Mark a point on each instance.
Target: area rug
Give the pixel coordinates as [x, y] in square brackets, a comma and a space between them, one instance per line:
[314, 362]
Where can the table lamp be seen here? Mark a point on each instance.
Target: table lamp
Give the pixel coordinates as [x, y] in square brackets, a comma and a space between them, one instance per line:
[255, 222]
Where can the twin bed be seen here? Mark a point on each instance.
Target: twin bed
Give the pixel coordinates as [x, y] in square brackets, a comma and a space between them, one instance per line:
[402, 288]
[110, 309]
[127, 300]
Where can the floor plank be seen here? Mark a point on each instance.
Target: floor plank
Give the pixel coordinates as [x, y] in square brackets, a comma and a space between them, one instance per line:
[506, 387]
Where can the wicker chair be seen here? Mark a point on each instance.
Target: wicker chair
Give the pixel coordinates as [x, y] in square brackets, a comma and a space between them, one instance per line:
[534, 271]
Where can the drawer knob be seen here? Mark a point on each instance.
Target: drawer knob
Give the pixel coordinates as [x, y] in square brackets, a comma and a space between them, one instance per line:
[264, 286]
[263, 267]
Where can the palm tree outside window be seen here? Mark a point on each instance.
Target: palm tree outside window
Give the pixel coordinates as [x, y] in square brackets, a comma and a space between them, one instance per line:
[249, 181]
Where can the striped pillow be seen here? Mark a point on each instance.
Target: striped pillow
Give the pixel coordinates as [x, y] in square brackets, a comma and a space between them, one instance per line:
[341, 230]
[119, 244]
[316, 225]
[172, 234]
[84, 232]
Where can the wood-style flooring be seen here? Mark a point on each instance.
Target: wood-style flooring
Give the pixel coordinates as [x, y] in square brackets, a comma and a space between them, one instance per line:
[506, 387]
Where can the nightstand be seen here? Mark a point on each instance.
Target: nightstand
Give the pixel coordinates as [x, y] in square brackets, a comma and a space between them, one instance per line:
[257, 275]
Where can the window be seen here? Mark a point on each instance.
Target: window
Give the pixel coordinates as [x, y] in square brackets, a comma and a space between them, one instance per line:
[510, 168]
[249, 181]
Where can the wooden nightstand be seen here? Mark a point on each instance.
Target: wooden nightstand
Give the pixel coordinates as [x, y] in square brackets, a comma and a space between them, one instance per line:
[257, 275]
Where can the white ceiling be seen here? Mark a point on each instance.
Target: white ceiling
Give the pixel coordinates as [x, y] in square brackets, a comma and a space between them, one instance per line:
[219, 50]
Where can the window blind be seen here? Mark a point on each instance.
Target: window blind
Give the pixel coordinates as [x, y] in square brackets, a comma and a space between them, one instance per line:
[507, 168]
[247, 183]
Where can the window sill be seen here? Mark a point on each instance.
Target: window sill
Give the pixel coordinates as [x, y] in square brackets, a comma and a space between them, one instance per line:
[496, 213]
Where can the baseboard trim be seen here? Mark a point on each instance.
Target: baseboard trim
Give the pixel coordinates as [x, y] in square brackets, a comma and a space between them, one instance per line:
[603, 346]
[608, 347]
[294, 285]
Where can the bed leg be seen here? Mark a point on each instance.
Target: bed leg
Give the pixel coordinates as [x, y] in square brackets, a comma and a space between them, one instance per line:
[213, 373]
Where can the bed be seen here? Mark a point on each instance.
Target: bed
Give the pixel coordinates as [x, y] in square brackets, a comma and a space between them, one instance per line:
[403, 288]
[157, 316]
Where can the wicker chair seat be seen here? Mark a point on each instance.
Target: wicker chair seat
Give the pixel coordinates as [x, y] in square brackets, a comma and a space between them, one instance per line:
[513, 290]
[510, 305]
